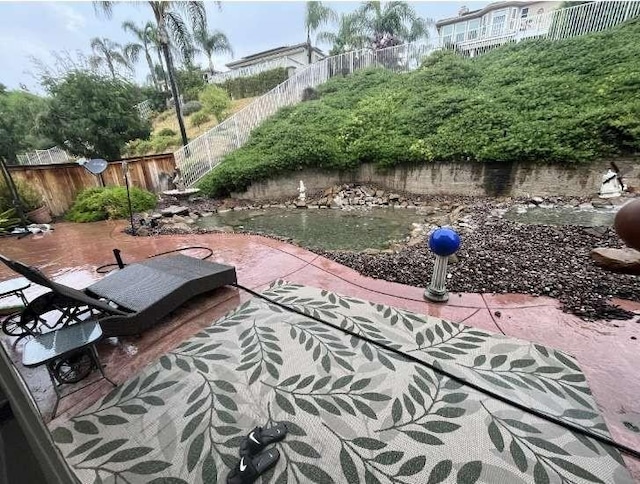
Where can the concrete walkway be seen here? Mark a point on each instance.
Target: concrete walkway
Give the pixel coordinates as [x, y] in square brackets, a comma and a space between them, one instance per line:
[608, 352]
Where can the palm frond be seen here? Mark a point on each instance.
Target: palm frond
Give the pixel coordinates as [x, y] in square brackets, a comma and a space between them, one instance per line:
[103, 8]
[132, 52]
[129, 26]
[96, 62]
[317, 14]
[179, 33]
[197, 15]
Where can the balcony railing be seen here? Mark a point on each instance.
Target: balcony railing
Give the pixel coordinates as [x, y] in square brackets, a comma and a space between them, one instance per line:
[555, 24]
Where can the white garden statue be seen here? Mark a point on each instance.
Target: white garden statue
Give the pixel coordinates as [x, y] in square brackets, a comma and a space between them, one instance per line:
[303, 192]
[611, 185]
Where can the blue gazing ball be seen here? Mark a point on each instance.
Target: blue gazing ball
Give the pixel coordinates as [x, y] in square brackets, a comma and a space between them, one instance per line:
[444, 241]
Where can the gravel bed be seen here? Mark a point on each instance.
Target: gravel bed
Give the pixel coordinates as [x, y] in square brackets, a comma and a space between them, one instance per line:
[500, 256]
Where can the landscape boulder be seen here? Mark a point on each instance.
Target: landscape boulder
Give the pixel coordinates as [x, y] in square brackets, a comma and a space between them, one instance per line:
[617, 260]
[172, 210]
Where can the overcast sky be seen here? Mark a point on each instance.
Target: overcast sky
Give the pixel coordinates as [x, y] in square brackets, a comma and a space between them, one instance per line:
[36, 28]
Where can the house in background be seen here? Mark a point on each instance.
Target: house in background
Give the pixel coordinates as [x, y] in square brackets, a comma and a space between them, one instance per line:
[495, 24]
[290, 57]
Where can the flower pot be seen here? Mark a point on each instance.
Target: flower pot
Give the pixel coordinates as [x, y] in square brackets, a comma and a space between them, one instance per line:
[40, 215]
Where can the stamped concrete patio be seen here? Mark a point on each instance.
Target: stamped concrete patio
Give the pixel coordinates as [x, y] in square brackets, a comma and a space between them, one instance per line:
[608, 352]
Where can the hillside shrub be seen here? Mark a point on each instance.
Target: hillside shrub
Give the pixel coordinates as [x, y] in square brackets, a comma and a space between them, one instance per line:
[94, 204]
[191, 107]
[160, 143]
[251, 86]
[568, 102]
[199, 118]
[215, 100]
[166, 132]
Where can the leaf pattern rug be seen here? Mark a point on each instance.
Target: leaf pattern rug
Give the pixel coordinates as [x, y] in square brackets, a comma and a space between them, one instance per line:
[355, 413]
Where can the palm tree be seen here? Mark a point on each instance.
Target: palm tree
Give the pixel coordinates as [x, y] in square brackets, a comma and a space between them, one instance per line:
[212, 43]
[168, 20]
[160, 71]
[348, 36]
[109, 53]
[316, 16]
[145, 43]
[392, 23]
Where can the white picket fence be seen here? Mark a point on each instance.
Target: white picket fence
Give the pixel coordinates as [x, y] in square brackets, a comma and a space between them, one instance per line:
[205, 152]
[45, 157]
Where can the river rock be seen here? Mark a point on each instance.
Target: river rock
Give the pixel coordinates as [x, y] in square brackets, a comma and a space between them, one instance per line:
[601, 202]
[536, 200]
[426, 210]
[301, 204]
[379, 193]
[142, 232]
[393, 197]
[596, 231]
[369, 192]
[180, 228]
[172, 210]
[617, 260]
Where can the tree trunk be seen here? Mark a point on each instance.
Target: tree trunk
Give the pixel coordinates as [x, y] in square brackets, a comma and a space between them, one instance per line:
[309, 46]
[174, 92]
[164, 73]
[111, 68]
[210, 64]
[151, 69]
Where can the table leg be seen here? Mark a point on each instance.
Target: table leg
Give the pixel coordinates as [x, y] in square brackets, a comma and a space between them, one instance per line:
[96, 360]
[55, 388]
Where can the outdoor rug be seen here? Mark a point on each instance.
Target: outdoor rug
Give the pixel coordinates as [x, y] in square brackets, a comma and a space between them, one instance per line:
[355, 413]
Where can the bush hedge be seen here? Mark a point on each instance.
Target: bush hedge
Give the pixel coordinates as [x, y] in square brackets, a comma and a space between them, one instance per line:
[215, 100]
[191, 107]
[199, 118]
[254, 85]
[567, 101]
[93, 204]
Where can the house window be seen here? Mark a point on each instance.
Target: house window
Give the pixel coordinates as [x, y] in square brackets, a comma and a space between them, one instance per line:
[447, 32]
[498, 22]
[484, 22]
[472, 30]
[524, 13]
[460, 31]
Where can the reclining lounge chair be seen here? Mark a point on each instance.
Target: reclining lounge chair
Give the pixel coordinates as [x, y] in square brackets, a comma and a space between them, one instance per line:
[127, 301]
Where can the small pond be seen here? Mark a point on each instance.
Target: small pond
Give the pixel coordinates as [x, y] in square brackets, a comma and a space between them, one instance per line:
[328, 229]
[585, 217]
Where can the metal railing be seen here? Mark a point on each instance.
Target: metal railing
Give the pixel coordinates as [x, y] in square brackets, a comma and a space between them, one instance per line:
[45, 157]
[205, 152]
[145, 109]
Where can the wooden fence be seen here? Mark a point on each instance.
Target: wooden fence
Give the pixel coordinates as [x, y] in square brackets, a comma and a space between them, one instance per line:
[60, 183]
